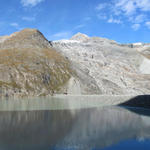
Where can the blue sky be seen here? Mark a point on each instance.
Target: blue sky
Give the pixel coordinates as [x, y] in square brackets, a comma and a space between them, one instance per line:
[125, 21]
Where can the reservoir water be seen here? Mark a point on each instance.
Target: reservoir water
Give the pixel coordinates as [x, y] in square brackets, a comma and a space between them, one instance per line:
[71, 125]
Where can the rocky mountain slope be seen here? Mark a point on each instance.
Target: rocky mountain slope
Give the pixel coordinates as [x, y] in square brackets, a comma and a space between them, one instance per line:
[32, 66]
[115, 68]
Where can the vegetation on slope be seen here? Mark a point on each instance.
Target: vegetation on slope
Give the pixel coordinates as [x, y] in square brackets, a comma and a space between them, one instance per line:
[27, 69]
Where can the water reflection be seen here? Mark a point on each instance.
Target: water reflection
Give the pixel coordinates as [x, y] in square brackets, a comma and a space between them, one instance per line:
[71, 129]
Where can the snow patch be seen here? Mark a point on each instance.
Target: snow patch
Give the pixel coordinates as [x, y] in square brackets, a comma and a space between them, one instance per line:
[137, 44]
[3, 38]
[66, 41]
[74, 87]
[145, 66]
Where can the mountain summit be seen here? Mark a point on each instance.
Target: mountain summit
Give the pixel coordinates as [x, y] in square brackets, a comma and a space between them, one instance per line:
[80, 37]
[26, 38]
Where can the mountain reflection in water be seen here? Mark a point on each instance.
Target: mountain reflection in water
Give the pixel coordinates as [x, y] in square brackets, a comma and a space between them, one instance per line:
[80, 129]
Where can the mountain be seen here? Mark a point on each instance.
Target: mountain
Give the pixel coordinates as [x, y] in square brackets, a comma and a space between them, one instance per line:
[117, 69]
[30, 65]
[80, 37]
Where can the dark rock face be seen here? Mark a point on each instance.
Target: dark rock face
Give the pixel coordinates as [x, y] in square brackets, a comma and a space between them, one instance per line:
[138, 101]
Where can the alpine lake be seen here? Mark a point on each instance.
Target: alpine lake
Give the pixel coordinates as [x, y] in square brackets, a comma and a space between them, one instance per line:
[74, 123]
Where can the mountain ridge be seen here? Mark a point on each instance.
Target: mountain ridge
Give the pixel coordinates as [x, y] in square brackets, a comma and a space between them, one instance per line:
[30, 65]
[75, 37]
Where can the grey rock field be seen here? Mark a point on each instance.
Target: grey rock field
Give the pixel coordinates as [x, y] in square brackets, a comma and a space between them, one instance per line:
[30, 65]
[116, 69]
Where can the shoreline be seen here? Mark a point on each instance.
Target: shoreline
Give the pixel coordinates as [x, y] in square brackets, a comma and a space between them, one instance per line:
[73, 102]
